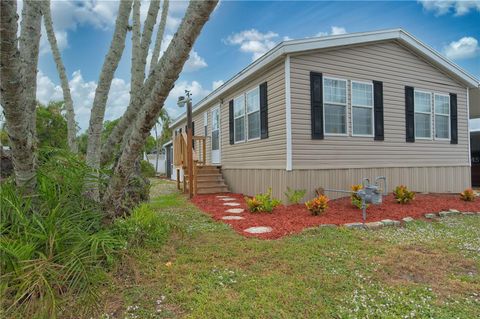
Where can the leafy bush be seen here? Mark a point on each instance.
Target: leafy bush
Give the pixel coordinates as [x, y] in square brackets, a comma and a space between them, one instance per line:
[403, 195]
[262, 202]
[52, 243]
[147, 169]
[318, 205]
[143, 227]
[294, 196]
[356, 200]
[467, 195]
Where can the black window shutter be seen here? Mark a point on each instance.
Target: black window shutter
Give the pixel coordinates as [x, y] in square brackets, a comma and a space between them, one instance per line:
[263, 111]
[378, 110]
[316, 100]
[453, 119]
[230, 121]
[409, 115]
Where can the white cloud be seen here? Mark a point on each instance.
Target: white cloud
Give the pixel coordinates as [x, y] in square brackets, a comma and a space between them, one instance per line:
[194, 62]
[217, 84]
[83, 93]
[334, 30]
[458, 7]
[253, 41]
[466, 47]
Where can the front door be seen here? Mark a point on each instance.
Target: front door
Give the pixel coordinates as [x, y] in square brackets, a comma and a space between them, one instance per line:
[216, 135]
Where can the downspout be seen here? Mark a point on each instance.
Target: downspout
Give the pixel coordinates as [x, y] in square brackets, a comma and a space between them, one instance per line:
[288, 113]
[468, 129]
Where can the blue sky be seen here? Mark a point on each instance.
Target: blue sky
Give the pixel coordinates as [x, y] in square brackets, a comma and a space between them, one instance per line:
[237, 33]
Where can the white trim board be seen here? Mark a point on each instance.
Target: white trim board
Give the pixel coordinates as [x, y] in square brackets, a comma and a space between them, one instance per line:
[296, 46]
[288, 113]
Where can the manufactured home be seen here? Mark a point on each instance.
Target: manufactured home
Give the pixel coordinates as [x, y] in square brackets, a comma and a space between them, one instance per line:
[329, 111]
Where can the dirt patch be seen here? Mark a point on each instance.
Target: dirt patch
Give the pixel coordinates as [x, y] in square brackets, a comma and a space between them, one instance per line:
[439, 270]
[285, 220]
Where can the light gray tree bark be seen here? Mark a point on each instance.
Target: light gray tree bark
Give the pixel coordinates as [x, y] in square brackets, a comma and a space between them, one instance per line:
[67, 97]
[160, 33]
[18, 71]
[169, 68]
[101, 93]
[139, 89]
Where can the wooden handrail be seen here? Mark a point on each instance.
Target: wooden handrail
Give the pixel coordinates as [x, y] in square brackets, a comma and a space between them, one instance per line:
[180, 158]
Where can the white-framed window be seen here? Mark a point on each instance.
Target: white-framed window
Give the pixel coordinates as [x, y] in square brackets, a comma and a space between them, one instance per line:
[239, 119]
[335, 106]
[253, 113]
[205, 124]
[442, 116]
[423, 114]
[362, 108]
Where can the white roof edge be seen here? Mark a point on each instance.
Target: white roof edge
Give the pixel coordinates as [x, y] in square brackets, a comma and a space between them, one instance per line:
[301, 45]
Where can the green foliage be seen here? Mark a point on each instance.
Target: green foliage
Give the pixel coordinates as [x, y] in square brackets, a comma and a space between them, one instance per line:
[262, 202]
[144, 227]
[52, 243]
[147, 169]
[150, 144]
[82, 141]
[51, 126]
[467, 195]
[318, 205]
[403, 195]
[294, 196]
[356, 200]
[4, 137]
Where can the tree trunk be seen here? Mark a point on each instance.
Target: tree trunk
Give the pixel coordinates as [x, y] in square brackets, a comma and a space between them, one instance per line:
[101, 93]
[18, 85]
[71, 124]
[137, 93]
[160, 32]
[169, 68]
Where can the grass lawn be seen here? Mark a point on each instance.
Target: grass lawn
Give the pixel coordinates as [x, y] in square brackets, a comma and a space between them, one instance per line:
[206, 270]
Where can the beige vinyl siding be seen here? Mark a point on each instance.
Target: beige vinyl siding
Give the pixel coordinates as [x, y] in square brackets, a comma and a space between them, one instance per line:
[396, 67]
[452, 179]
[261, 153]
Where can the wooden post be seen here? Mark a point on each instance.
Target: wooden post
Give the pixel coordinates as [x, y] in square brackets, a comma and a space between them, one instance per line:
[178, 178]
[189, 148]
[204, 151]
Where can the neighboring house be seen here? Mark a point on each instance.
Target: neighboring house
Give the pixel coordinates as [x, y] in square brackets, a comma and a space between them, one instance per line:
[475, 135]
[330, 111]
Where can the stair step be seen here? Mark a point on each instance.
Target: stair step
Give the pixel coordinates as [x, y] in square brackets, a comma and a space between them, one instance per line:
[212, 190]
[202, 184]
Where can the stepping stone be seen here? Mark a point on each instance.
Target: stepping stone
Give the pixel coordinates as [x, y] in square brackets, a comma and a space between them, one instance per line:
[431, 216]
[390, 222]
[328, 225]
[468, 213]
[231, 204]
[235, 210]
[453, 211]
[232, 217]
[444, 213]
[222, 196]
[354, 225]
[408, 219]
[258, 230]
[374, 225]
[226, 199]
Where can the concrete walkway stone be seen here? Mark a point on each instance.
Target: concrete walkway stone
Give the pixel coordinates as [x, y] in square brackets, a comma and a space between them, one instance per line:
[374, 225]
[226, 199]
[408, 219]
[354, 225]
[390, 222]
[258, 230]
[235, 210]
[431, 216]
[232, 217]
[231, 204]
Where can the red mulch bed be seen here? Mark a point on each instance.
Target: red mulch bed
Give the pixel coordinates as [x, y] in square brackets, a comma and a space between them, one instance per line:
[292, 219]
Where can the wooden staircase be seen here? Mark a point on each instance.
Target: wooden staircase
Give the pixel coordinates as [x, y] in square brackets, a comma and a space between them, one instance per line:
[209, 180]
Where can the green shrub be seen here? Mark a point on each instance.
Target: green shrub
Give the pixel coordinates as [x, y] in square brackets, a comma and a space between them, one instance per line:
[294, 196]
[403, 195]
[262, 202]
[143, 227]
[318, 205]
[52, 243]
[356, 200]
[147, 169]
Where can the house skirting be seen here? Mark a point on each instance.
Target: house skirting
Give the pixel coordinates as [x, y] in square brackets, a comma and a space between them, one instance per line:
[442, 179]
